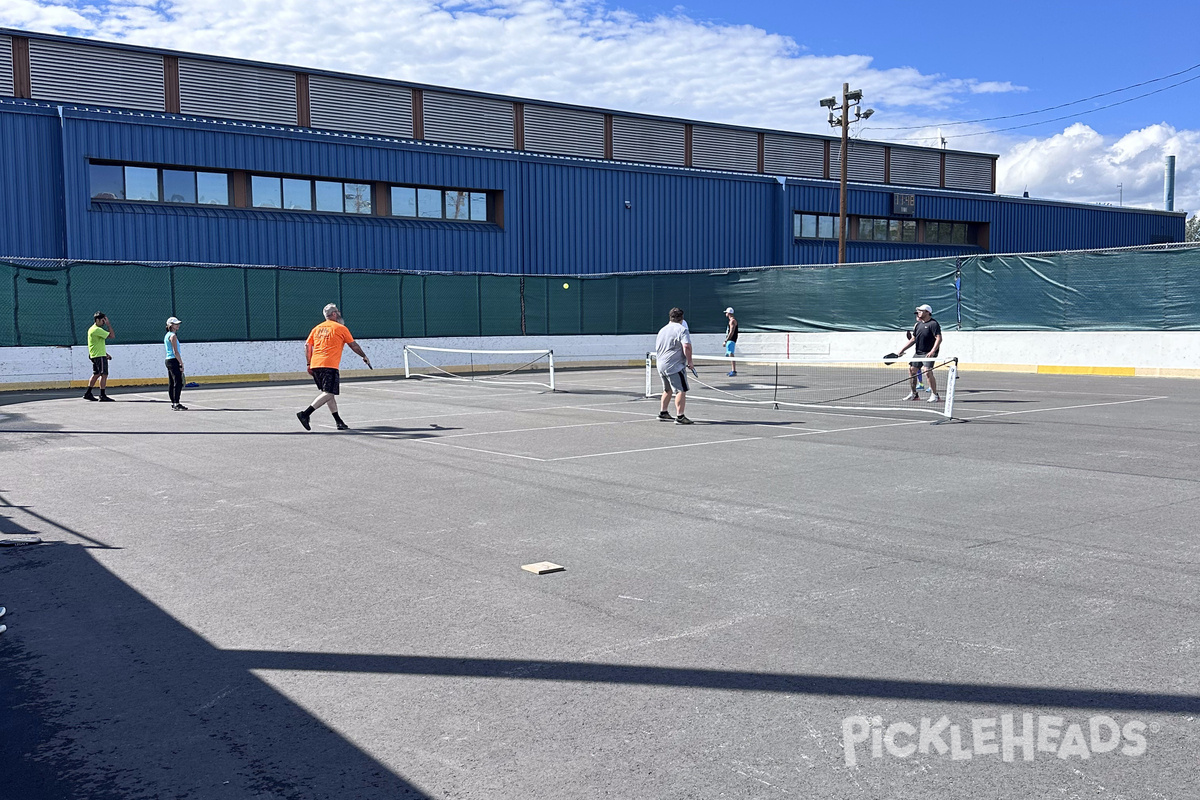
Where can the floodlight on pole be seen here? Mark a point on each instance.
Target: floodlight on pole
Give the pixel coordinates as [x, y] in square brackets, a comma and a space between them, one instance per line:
[850, 99]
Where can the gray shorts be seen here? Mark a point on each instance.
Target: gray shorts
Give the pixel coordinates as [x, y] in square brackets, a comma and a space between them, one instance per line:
[675, 382]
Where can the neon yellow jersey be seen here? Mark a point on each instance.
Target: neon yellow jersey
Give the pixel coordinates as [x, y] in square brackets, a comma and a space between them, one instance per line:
[97, 342]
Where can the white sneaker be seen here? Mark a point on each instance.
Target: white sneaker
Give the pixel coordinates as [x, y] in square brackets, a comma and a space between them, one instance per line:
[911, 396]
[933, 398]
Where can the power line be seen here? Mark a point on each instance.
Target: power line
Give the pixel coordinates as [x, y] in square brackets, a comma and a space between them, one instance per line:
[1051, 108]
[1070, 116]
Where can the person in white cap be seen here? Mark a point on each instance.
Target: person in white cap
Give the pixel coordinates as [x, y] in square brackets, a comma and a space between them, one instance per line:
[731, 340]
[174, 363]
[927, 341]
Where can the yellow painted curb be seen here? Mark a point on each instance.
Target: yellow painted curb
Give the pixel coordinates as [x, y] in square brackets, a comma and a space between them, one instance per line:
[1045, 369]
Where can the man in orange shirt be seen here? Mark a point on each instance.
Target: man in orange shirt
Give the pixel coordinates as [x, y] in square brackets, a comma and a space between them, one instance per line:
[323, 352]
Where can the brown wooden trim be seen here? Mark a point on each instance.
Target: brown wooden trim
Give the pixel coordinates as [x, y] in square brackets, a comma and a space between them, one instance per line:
[241, 188]
[887, 164]
[22, 85]
[382, 207]
[171, 84]
[496, 199]
[608, 136]
[762, 152]
[519, 126]
[942, 179]
[827, 144]
[687, 145]
[418, 113]
[303, 101]
[993, 176]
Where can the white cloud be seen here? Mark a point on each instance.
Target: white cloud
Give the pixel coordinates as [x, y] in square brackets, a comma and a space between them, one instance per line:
[1082, 165]
[585, 52]
[996, 87]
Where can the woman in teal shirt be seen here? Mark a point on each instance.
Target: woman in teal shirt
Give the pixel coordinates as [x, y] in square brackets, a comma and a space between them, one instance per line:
[174, 364]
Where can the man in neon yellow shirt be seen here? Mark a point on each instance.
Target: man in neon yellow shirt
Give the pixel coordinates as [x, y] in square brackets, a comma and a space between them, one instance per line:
[97, 339]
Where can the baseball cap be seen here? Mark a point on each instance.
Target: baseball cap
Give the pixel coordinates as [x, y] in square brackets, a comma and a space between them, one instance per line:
[729, 310]
[925, 308]
[174, 321]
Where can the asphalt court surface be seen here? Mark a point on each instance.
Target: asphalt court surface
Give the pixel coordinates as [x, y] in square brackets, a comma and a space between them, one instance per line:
[225, 605]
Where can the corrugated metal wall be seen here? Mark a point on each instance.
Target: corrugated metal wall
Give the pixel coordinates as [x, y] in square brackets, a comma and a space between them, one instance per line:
[87, 74]
[189, 233]
[649, 141]
[6, 69]
[722, 148]
[576, 220]
[564, 131]
[865, 162]
[468, 120]
[915, 167]
[794, 156]
[235, 91]
[968, 172]
[361, 107]
[560, 217]
[31, 215]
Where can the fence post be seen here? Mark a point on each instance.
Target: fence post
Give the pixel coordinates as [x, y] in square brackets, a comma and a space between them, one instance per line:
[16, 306]
[246, 298]
[70, 303]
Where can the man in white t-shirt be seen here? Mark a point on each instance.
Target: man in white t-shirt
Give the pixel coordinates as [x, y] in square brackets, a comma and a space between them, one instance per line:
[673, 351]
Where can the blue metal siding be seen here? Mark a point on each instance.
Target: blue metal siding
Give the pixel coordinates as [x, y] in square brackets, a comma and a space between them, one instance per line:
[166, 233]
[561, 216]
[30, 183]
[577, 221]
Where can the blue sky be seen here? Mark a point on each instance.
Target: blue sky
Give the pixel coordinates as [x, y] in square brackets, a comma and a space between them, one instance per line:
[754, 62]
[1057, 51]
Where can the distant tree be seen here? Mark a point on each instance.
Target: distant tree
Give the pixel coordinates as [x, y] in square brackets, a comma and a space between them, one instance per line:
[1191, 232]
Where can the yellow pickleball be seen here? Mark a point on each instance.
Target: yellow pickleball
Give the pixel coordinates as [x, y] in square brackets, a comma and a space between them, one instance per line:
[566, 286]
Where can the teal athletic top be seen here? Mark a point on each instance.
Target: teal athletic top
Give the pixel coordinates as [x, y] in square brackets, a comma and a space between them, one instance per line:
[167, 344]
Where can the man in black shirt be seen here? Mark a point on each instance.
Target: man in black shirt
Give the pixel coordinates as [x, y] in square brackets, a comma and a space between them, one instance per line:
[927, 341]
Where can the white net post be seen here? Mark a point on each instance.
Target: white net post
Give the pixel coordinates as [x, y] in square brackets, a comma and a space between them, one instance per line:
[552, 370]
[407, 371]
[951, 379]
[649, 367]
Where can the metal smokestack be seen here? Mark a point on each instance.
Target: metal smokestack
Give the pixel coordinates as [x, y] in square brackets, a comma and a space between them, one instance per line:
[1169, 185]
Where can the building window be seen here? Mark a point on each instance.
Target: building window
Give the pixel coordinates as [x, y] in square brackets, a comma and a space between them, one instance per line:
[949, 233]
[108, 182]
[155, 185]
[297, 194]
[141, 183]
[814, 226]
[458, 205]
[192, 187]
[265, 192]
[887, 230]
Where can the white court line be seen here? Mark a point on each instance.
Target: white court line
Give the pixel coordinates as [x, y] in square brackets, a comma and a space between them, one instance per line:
[547, 428]
[651, 449]
[478, 450]
[496, 411]
[1066, 408]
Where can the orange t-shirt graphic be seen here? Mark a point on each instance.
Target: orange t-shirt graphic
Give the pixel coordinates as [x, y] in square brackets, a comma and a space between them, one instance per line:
[326, 341]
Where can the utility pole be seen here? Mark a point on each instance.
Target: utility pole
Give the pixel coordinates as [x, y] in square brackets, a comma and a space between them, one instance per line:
[850, 99]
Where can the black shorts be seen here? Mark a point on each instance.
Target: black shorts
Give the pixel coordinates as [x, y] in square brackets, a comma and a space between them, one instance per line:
[100, 365]
[922, 365]
[327, 379]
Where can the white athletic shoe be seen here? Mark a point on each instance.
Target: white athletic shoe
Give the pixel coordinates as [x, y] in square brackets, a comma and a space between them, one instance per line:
[933, 398]
[912, 396]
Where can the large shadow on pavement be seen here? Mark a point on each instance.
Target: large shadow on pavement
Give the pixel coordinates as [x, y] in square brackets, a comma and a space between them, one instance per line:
[105, 695]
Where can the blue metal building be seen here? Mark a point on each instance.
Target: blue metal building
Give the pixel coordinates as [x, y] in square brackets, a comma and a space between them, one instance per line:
[110, 152]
